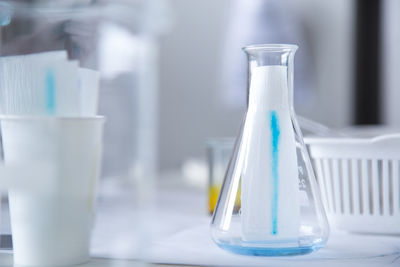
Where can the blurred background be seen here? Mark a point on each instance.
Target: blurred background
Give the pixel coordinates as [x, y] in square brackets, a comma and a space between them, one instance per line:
[174, 78]
[346, 69]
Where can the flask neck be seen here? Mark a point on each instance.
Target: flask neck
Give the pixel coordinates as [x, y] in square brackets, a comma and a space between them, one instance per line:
[270, 83]
[268, 88]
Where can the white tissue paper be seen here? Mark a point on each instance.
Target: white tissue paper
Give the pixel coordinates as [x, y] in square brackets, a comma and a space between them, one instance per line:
[89, 91]
[270, 208]
[39, 84]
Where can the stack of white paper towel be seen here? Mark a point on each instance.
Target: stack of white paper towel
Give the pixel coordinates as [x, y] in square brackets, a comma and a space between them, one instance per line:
[47, 84]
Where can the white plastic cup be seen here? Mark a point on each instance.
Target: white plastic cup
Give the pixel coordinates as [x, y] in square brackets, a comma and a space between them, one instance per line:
[51, 224]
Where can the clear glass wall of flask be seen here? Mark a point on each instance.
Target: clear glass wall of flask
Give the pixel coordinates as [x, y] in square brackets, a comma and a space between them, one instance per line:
[281, 212]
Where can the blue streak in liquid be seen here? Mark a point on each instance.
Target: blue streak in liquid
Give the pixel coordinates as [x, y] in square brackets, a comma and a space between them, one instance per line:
[50, 92]
[275, 133]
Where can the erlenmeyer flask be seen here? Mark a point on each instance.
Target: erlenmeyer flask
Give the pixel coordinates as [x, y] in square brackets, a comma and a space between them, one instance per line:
[281, 212]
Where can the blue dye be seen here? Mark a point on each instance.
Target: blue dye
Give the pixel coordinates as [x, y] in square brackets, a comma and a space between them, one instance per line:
[275, 132]
[274, 252]
[50, 92]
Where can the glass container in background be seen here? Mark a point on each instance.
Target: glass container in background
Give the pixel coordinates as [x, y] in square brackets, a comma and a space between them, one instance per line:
[219, 151]
[281, 212]
[119, 40]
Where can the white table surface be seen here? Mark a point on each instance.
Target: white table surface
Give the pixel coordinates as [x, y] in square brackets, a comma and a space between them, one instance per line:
[178, 234]
[6, 260]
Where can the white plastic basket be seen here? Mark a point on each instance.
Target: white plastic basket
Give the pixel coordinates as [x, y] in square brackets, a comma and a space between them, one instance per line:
[359, 180]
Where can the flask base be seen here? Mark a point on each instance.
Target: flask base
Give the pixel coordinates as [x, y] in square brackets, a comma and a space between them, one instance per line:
[272, 252]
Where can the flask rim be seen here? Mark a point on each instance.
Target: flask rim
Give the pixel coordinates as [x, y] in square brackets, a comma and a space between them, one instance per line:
[270, 48]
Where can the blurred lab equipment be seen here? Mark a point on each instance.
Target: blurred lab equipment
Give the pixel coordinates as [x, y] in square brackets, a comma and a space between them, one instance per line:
[52, 154]
[281, 211]
[116, 38]
[51, 222]
[219, 151]
[359, 179]
[110, 49]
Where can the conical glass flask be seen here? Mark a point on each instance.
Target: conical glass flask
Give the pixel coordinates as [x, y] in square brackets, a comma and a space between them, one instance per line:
[280, 212]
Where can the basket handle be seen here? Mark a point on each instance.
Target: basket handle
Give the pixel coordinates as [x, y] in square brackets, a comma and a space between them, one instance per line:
[386, 138]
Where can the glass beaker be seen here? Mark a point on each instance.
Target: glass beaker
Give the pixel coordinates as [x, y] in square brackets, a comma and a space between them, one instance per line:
[219, 151]
[281, 211]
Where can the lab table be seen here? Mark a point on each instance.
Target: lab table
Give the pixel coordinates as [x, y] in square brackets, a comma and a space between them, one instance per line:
[174, 230]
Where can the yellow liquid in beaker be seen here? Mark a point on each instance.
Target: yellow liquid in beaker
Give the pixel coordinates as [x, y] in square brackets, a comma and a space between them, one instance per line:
[213, 193]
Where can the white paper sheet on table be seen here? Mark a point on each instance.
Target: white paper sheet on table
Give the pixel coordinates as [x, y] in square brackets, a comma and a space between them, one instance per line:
[182, 238]
[193, 246]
